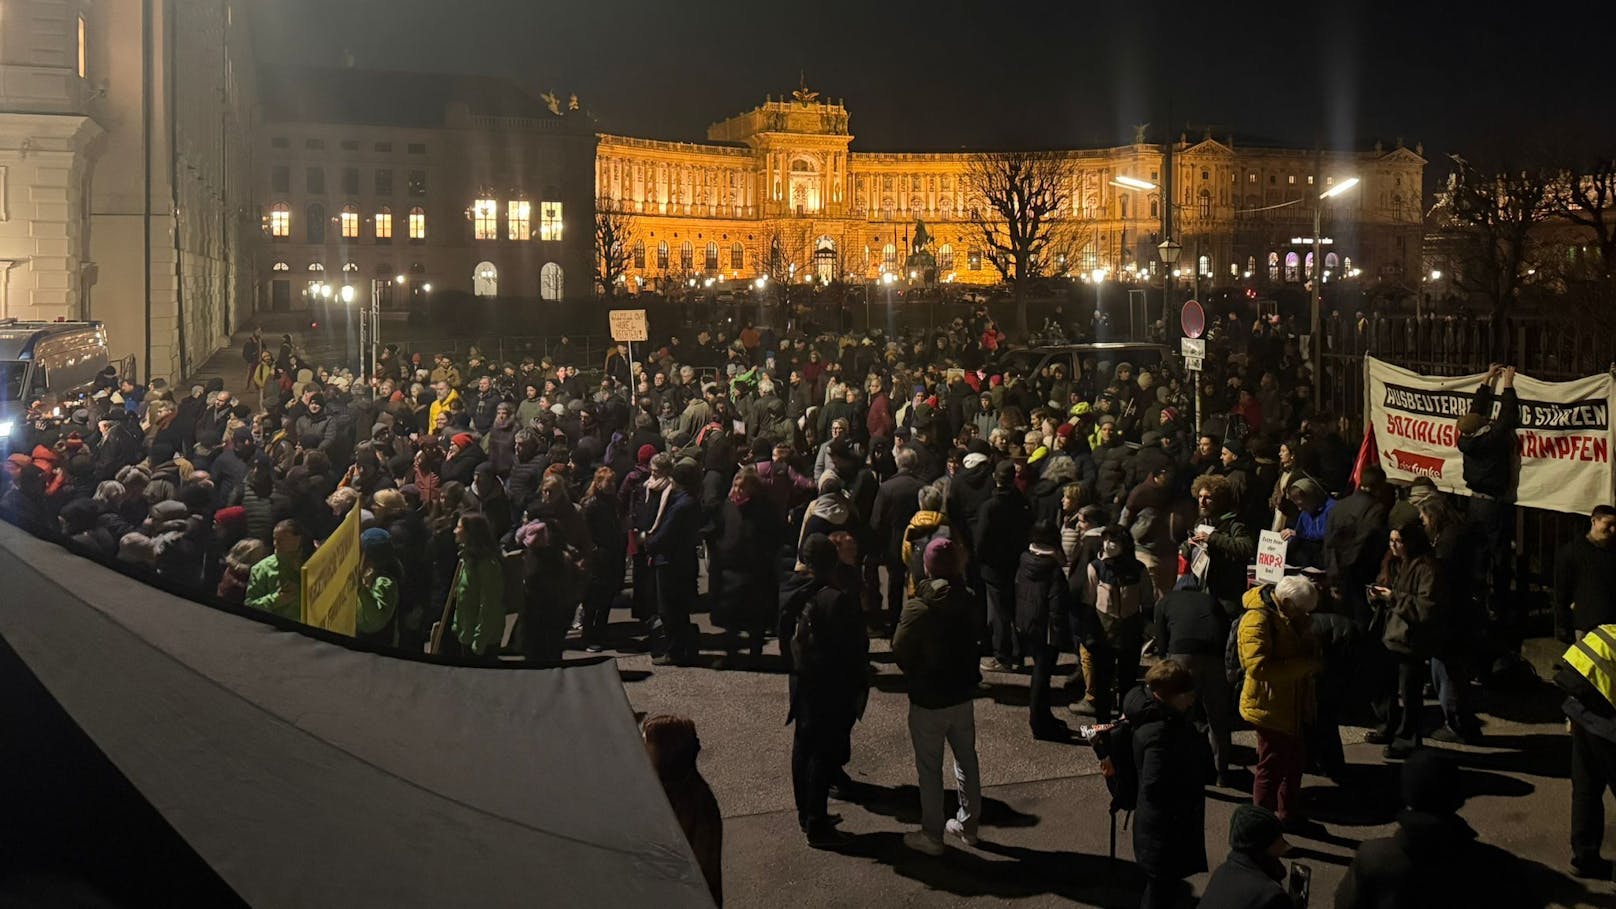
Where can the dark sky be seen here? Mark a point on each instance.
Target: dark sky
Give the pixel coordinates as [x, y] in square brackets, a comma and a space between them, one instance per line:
[1478, 78]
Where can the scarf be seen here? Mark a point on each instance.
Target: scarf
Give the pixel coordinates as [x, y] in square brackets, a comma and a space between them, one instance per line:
[663, 487]
[1121, 570]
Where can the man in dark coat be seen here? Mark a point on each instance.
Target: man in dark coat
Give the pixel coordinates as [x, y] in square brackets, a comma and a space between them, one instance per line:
[1042, 621]
[1169, 824]
[896, 501]
[1355, 536]
[1250, 877]
[999, 537]
[671, 544]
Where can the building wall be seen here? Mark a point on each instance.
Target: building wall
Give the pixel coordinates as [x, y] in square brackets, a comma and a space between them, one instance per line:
[788, 171]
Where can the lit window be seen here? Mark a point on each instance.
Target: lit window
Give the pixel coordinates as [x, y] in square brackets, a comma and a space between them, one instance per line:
[281, 266]
[417, 223]
[687, 256]
[1309, 179]
[737, 257]
[1293, 268]
[82, 47]
[639, 254]
[485, 219]
[280, 220]
[662, 255]
[1204, 208]
[485, 280]
[518, 213]
[384, 224]
[1291, 179]
[551, 284]
[1273, 266]
[945, 257]
[710, 263]
[550, 222]
[350, 222]
[889, 255]
[1205, 266]
[1251, 177]
[973, 259]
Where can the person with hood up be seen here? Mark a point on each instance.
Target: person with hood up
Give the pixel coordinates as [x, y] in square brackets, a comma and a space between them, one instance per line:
[1169, 824]
[830, 512]
[1250, 877]
[1306, 531]
[1043, 624]
[1001, 526]
[935, 647]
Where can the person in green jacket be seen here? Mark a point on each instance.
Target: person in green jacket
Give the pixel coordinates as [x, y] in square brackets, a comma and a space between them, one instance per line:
[276, 584]
[479, 613]
[378, 588]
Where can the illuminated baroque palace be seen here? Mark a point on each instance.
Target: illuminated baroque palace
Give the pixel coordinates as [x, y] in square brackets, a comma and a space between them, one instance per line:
[785, 174]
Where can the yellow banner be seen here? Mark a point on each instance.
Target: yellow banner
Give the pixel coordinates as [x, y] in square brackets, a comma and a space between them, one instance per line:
[331, 580]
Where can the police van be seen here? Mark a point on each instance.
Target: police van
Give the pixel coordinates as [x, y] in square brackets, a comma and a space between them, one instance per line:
[52, 363]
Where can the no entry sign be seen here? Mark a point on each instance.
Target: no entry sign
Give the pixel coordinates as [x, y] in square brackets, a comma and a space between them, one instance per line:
[1192, 319]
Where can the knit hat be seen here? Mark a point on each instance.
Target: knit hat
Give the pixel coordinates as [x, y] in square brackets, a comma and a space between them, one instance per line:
[1064, 430]
[1431, 783]
[376, 541]
[1169, 414]
[644, 455]
[1254, 828]
[234, 517]
[1234, 445]
[462, 440]
[941, 559]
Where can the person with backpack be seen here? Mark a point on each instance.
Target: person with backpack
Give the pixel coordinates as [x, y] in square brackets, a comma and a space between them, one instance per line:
[1042, 622]
[1114, 586]
[829, 679]
[935, 646]
[1279, 658]
[1172, 766]
[927, 524]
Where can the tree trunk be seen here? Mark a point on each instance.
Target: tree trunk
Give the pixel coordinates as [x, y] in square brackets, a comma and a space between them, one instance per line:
[1021, 311]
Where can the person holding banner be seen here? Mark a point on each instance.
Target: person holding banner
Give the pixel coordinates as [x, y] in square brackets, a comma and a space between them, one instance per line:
[1487, 443]
[276, 584]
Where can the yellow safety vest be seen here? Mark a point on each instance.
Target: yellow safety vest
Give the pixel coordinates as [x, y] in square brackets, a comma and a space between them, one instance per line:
[1594, 658]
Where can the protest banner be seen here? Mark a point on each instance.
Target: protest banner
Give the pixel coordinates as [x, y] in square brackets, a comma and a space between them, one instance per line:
[1563, 433]
[331, 580]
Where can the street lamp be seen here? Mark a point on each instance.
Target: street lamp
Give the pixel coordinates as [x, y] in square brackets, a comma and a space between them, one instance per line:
[1168, 251]
[1334, 191]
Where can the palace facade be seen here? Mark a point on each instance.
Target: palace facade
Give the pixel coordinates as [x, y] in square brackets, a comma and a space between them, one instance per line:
[785, 174]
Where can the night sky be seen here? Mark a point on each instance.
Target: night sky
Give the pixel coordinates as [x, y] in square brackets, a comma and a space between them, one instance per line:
[1479, 79]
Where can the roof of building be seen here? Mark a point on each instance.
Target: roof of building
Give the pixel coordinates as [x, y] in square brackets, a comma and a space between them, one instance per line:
[409, 100]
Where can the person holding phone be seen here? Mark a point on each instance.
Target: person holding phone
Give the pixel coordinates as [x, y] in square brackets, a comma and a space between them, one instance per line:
[1409, 602]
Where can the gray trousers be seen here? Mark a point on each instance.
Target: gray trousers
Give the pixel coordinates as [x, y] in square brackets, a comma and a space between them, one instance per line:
[928, 730]
[1212, 693]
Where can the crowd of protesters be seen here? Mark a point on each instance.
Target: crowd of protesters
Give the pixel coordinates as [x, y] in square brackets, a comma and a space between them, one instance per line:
[832, 489]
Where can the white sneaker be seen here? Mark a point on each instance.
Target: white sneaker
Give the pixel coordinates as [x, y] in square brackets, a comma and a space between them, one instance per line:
[956, 828]
[919, 841]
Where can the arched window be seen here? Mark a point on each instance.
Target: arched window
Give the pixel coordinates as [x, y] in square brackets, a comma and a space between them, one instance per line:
[710, 263]
[350, 266]
[687, 256]
[639, 254]
[349, 222]
[737, 257]
[384, 223]
[1155, 207]
[889, 255]
[1273, 266]
[485, 280]
[1331, 262]
[1204, 266]
[316, 215]
[317, 266]
[551, 284]
[662, 255]
[417, 224]
[280, 220]
[281, 266]
[1293, 268]
[1309, 265]
[1204, 207]
[945, 258]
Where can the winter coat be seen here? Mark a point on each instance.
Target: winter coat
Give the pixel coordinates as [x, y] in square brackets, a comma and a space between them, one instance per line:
[970, 488]
[1434, 860]
[746, 544]
[1175, 764]
[1487, 451]
[1279, 662]
[935, 644]
[479, 613]
[1000, 534]
[672, 545]
[1043, 600]
[1241, 883]
[896, 501]
[1190, 622]
[1354, 539]
[1112, 464]
[267, 581]
[1232, 546]
[1413, 617]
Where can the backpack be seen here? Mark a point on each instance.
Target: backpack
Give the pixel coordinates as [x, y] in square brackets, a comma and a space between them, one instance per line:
[793, 618]
[917, 549]
[1113, 746]
[250, 350]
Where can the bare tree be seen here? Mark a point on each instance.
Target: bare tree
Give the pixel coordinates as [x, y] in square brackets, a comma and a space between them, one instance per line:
[1491, 215]
[614, 245]
[1024, 196]
[1587, 197]
[779, 252]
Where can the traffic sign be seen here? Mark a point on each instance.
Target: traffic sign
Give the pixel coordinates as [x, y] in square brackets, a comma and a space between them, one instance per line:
[1193, 364]
[1192, 319]
[1191, 347]
[628, 325]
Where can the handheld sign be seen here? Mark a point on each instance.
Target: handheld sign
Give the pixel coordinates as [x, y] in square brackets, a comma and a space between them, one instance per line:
[1271, 557]
[628, 325]
[1192, 319]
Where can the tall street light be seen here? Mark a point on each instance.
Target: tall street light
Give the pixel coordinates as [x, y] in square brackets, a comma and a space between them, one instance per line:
[1123, 181]
[1318, 283]
[1168, 251]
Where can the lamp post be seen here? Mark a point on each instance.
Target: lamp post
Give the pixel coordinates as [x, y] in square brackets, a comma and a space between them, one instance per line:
[1318, 283]
[1168, 251]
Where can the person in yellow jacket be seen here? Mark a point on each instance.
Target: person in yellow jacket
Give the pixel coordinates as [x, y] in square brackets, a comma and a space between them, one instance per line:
[447, 395]
[1279, 657]
[1587, 673]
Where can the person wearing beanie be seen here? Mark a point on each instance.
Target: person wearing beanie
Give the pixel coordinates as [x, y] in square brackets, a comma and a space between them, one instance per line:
[822, 638]
[1435, 858]
[935, 647]
[464, 456]
[1250, 877]
[379, 577]
[1042, 608]
[998, 540]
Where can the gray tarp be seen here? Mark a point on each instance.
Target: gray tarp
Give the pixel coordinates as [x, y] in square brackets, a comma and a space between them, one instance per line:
[308, 774]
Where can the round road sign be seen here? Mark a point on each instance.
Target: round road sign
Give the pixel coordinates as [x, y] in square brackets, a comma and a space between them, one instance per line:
[1192, 319]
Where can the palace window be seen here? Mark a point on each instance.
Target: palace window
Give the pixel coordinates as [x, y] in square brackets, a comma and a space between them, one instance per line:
[384, 224]
[280, 221]
[662, 255]
[280, 179]
[1251, 177]
[1308, 268]
[281, 266]
[550, 222]
[1293, 268]
[889, 255]
[973, 259]
[82, 48]
[350, 181]
[639, 254]
[384, 181]
[711, 262]
[485, 280]
[417, 224]
[945, 257]
[349, 220]
[1204, 207]
[687, 256]
[314, 180]
[485, 219]
[1291, 179]
[1122, 203]
[1331, 263]
[737, 257]
[517, 223]
[1273, 266]
[1251, 264]
[416, 184]
[1155, 207]
[551, 284]
[1204, 265]
[316, 228]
